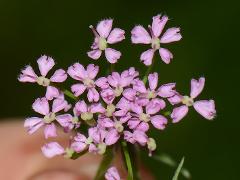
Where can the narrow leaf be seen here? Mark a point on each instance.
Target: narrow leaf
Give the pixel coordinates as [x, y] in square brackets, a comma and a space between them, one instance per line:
[178, 170]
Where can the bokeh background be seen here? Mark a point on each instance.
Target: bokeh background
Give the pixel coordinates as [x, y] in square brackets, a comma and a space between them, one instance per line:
[209, 47]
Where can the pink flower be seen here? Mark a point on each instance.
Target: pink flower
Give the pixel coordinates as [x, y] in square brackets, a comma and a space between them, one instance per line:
[45, 64]
[86, 77]
[41, 106]
[141, 36]
[136, 136]
[86, 112]
[204, 107]
[112, 174]
[146, 94]
[117, 82]
[104, 35]
[52, 149]
[140, 119]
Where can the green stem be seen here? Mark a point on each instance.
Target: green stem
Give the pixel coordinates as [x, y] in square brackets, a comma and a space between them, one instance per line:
[112, 67]
[106, 161]
[145, 77]
[127, 160]
[69, 94]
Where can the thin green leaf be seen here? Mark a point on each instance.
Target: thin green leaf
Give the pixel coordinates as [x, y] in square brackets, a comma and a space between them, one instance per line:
[178, 170]
[168, 160]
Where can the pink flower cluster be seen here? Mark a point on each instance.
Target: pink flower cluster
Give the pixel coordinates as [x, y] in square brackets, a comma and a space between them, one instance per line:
[116, 107]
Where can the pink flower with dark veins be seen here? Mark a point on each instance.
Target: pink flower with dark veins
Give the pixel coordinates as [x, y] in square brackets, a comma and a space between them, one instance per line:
[141, 36]
[45, 64]
[204, 107]
[142, 116]
[41, 106]
[144, 95]
[104, 35]
[86, 78]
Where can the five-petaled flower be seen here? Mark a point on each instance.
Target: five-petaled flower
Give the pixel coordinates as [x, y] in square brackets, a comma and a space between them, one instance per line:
[141, 36]
[104, 35]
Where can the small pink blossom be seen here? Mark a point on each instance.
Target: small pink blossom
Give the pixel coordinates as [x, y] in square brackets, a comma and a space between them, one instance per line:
[45, 64]
[86, 78]
[112, 174]
[104, 35]
[41, 106]
[136, 136]
[204, 107]
[141, 36]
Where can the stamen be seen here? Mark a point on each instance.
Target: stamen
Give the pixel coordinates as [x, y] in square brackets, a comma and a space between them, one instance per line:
[94, 31]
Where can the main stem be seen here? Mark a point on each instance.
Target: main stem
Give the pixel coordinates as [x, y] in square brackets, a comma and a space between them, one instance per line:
[145, 77]
[127, 160]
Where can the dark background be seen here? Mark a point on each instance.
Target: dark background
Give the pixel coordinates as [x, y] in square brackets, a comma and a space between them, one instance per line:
[209, 47]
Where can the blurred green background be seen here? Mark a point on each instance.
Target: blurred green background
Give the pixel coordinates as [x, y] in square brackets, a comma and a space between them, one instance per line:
[210, 29]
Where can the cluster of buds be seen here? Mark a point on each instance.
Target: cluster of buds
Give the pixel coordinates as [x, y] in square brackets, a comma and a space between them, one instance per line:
[117, 107]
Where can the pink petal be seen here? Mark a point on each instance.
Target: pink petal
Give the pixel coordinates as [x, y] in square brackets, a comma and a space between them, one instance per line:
[171, 35]
[175, 99]
[80, 107]
[52, 149]
[166, 55]
[104, 27]
[114, 79]
[93, 95]
[77, 71]
[206, 108]
[78, 89]
[136, 108]
[159, 122]
[45, 64]
[139, 86]
[158, 24]
[92, 71]
[78, 146]
[112, 174]
[128, 136]
[41, 106]
[50, 131]
[140, 137]
[140, 35]
[64, 119]
[108, 95]
[129, 94]
[143, 127]
[112, 137]
[105, 122]
[52, 92]
[33, 124]
[59, 76]
[155, 105]
[116, 35]
[102, 82]
[133, 123]
[27, 75]
[94, 54]
[147, 57]
[123, 104]
[96, 108]
[58, 105]
[179, 113]
[197, 87]
[112, 55]
[167, 90]
[153, 80]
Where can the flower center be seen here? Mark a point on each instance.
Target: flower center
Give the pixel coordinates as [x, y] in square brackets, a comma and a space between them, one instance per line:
[119, 127]
[87, 116]
[118, 91]
[49, 118]
[155, 43]
[68, 152]
[110, 110]
[101, 148]
[88, 82]
[151, 95]
[144, 117]
[89, 140]
[188, 101]
[75, 120]
[42, 81]
[102, 43]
